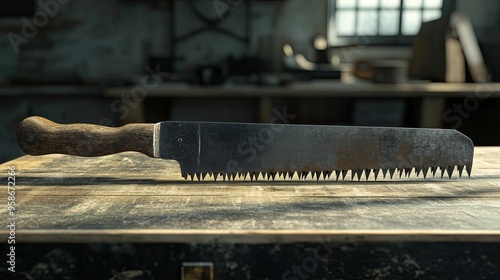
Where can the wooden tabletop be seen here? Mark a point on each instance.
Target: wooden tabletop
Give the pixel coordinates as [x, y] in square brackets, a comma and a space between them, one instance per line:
[130, 197]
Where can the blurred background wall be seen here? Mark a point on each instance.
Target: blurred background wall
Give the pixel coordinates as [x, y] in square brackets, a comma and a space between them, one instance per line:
[87, 58]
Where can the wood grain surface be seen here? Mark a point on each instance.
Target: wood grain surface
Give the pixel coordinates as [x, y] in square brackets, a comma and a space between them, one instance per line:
[40, 136]
[131, 197]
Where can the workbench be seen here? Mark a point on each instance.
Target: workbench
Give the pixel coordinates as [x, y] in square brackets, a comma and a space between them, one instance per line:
[128, 213]
[433, 95]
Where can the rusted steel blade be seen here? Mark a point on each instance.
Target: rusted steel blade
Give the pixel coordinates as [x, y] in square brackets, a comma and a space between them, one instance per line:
[230, 148]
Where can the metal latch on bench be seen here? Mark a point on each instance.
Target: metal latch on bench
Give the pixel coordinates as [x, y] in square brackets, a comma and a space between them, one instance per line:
[197, 271]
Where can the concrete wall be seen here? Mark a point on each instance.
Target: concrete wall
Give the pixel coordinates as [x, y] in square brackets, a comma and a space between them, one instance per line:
[485, 17]
[115, 36]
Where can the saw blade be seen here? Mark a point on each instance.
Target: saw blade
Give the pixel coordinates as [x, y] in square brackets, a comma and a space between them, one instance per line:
[227, 151]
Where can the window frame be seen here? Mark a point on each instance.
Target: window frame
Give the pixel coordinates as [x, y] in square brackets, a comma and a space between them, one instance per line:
[376, 40]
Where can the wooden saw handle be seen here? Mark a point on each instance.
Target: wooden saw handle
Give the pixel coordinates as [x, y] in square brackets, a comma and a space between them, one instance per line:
[39, 136]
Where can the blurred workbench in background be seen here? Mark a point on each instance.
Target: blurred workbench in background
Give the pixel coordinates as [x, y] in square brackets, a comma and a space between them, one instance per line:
[314, 102]
[128, 212]
[433, 95]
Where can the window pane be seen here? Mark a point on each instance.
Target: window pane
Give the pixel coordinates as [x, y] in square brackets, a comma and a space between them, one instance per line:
[431, 15]
[433, 3]
[412, 3]
[390, 3]
[367, 22]
[345, 21]
[345, 3]
[411, 22]
[367, 4]
[388, 22]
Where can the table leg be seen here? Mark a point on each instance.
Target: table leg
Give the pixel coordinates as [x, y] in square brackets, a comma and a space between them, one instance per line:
[265, 109]
[431, 112]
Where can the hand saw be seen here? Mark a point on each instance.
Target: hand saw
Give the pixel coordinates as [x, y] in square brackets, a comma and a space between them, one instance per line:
[230, 150]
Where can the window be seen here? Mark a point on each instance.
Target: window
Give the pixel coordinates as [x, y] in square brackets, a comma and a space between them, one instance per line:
[386, 22]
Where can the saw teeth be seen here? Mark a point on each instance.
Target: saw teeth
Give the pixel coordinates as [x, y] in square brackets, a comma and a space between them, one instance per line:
[273, 175]
[359, 173]
[391, 172]
[424, 171]
[318, 173]
[450, 170]
[433, 170]
[408, 171]
[354, 173]
[417, 170]
[460, 170]
[367, 173]
[443, 169]
[344, 173]
[337, 174]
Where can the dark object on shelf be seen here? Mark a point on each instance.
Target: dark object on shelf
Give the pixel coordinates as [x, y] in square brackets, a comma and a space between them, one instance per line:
[439, 55]
[491, 54]
[244, 65]
[209, 75]
[275, 79]
[163, 64]
[320, 46]
[19, 8]
[382, 71]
